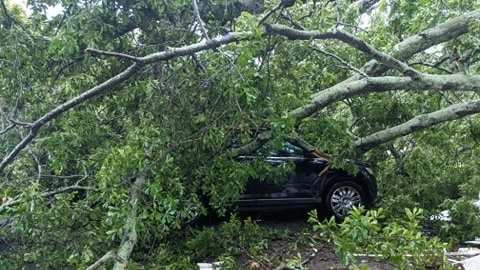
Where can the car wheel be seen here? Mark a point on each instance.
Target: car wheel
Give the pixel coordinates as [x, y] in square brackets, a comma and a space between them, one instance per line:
[342, 197]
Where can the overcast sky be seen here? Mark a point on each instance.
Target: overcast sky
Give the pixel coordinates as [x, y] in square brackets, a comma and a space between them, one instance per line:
[51, 11]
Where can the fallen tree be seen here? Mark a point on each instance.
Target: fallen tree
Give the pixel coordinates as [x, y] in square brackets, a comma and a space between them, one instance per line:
[178, 118]
[406, 49]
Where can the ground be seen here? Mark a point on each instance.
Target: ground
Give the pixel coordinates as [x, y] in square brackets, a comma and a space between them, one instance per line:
[296, 245]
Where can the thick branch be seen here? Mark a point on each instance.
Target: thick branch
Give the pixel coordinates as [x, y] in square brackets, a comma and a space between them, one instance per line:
[347, 38]
[446, 31]
[419, 122]
[338, 92]
[93, 92]
[404, 50]
[5, 130]
[213, 43]
[105, 258]
[130, 228]
[260, 140]
[453, 82]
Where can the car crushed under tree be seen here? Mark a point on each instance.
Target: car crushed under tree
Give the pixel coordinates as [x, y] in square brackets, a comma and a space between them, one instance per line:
[307, 180]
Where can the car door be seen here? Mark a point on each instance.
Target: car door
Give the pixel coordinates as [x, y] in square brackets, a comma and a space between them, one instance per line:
[270, 184]
[289, 183]
[304, 179]
[307, 176]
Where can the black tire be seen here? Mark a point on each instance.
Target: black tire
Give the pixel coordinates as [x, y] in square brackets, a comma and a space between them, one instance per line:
[353, 195]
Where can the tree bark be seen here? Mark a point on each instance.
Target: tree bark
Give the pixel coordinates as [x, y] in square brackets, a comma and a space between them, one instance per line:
[417, 123]
[387, 60]
[404, 50]
[130, 236]
[426, 82]
[105, 258]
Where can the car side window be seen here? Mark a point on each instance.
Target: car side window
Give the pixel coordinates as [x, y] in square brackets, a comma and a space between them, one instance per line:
[289, 150]
[286, 150]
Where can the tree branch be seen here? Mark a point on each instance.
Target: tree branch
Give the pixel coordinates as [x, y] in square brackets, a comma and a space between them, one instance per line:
[339, 59]
[347, 38]
[213, 43]
[419, 122]
[110, 84]
[341, 91]
[93, 92]
[404, 50]
[5, 130]
[260, 140]
[446, 31]
[115, 54]
[47, 194]
[269, 13]
[105, 258]
[453, 82]
[130, 228]
[200, 22]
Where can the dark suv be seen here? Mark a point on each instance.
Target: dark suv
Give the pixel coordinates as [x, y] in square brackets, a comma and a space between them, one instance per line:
[309, 182]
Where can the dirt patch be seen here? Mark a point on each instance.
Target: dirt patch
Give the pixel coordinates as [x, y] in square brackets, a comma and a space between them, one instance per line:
[325, 258]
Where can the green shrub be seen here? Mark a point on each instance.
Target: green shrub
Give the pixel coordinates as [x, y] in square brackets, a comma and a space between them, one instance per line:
[399, 241]
[464, 224]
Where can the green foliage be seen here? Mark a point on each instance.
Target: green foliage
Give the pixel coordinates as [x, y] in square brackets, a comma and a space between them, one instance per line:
[464, 224]
[40, 226]
[398, 241]
[223, 244]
